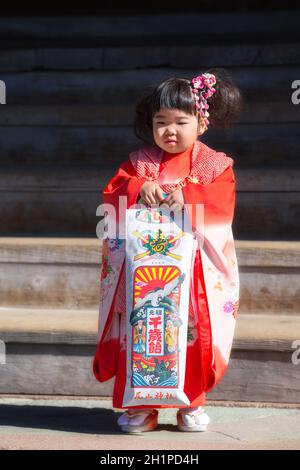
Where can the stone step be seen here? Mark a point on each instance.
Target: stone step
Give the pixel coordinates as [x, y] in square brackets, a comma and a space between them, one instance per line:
[62, 273]
[45, 201]
[137, 56]
[62, 87]
[263, 332]
[108, 29]
[115, 114]
[269, 145]
[50, 352]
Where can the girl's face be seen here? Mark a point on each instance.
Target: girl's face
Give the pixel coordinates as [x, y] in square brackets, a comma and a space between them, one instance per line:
[174, 130]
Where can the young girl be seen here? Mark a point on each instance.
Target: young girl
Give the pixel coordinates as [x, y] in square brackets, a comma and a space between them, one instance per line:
[175, 168]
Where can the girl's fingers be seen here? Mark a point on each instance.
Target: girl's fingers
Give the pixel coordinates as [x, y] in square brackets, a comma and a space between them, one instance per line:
[159, 194]
[156, 197]
[152, 198]
[168, 200]
[147, 199]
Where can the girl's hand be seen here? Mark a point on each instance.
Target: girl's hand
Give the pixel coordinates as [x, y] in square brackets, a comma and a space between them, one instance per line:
[175, 200]
[151, 193]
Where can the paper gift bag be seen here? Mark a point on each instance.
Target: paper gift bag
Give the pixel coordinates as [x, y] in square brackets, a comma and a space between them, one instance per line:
[159, 256]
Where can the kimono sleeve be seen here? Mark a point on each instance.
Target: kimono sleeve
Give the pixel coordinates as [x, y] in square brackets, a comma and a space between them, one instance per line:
[124, 183]
[217, 197]
[217, 268]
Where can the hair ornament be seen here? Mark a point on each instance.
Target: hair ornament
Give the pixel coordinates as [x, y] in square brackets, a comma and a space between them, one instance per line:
[203, 88]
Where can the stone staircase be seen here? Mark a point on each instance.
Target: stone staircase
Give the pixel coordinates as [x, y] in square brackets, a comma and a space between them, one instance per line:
[71, 85]
[49, 293]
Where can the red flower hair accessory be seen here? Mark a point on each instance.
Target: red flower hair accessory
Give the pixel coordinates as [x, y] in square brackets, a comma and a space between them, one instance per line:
[203, 88]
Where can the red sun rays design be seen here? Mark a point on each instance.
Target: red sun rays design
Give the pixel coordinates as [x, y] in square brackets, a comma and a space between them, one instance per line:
[147, 278]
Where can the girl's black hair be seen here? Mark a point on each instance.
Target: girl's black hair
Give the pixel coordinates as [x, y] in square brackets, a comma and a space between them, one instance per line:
[224, 105]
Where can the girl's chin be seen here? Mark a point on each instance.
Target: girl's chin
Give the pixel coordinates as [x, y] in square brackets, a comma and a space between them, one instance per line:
[169, 146]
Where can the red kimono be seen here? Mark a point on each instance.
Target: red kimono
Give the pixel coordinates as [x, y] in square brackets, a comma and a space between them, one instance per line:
[206, 177]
